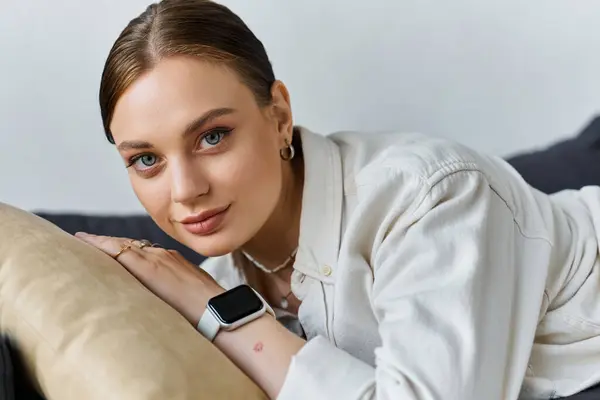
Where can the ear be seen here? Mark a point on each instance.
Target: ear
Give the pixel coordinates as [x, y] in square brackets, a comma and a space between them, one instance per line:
[282, 111]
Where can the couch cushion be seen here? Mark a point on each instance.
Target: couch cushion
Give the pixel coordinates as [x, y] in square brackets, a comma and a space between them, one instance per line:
[88, 330]
[568, 164]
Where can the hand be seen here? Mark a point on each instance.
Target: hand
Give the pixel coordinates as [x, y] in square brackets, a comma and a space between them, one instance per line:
[166, 273]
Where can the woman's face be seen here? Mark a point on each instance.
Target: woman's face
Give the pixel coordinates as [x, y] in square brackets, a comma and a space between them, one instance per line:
[203, 157]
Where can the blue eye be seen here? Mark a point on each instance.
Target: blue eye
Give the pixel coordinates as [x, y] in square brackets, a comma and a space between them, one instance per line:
[213, 138]
[147, 160]
[143, 162]
[145, 165]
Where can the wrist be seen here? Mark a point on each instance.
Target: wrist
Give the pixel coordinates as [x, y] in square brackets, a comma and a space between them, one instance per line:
[224, 337]
[199, 300]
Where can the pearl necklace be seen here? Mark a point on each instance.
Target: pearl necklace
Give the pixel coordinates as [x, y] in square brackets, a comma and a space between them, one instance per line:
[283, 303]
[267, 270]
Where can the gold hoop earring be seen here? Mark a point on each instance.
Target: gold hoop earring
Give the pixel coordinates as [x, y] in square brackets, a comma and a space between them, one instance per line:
[288, 152]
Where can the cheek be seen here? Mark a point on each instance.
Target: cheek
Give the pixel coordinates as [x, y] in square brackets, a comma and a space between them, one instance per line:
[154, 197]
[251, 177]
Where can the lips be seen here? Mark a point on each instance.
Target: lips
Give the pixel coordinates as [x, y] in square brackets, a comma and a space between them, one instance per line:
[206, 222]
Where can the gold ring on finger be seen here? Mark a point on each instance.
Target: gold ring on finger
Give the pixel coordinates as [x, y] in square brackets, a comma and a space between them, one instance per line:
[124, 247]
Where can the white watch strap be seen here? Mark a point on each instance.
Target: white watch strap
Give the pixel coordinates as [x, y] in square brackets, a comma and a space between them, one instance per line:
[208, 325]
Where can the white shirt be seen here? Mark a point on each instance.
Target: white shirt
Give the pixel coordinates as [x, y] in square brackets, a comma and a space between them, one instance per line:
[429, 271]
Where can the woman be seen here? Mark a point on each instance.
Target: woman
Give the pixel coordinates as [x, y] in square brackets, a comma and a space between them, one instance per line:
[403, 266]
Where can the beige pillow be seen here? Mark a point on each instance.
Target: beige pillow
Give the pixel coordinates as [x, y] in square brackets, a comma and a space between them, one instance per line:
[89, 330]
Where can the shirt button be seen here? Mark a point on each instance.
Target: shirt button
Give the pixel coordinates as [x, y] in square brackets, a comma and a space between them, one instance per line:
[327, 270]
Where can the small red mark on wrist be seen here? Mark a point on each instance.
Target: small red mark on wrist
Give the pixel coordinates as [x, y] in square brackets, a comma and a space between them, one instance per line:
[258, 347]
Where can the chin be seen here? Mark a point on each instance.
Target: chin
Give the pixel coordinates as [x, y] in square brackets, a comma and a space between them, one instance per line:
[215, 245]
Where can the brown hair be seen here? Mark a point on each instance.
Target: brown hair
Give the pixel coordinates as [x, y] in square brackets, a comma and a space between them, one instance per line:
[198, 28]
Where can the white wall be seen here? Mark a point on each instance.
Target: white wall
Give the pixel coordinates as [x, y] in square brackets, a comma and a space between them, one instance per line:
[498, 75]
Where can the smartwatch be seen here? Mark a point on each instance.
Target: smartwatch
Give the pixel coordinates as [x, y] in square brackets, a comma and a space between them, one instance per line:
[232, 309]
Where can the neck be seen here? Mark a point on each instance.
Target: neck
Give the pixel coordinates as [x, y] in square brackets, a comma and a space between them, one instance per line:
[278, 238]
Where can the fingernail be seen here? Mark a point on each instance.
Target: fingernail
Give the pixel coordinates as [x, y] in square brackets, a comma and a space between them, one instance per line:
[82, 234]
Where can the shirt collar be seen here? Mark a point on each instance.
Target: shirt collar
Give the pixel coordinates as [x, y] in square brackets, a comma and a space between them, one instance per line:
[322, 199]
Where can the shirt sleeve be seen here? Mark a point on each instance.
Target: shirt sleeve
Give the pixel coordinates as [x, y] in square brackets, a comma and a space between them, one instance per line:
[444, 276]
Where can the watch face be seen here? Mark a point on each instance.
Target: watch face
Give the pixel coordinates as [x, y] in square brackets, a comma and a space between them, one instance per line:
[235, 304]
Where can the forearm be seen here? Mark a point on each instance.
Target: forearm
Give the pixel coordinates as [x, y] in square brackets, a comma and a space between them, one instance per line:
[262, 349]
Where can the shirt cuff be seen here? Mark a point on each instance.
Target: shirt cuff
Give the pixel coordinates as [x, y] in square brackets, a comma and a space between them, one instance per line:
[322, 371]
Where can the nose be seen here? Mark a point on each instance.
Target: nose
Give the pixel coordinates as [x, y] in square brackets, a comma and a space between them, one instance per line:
[187, 181]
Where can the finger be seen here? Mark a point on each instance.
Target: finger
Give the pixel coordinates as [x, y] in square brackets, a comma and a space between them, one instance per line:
[108, 244]
[162, 252]
[137, 262]
[113, 246]
[134, 259]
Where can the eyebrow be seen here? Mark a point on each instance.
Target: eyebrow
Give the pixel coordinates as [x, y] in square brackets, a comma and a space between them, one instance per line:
[189, 129]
